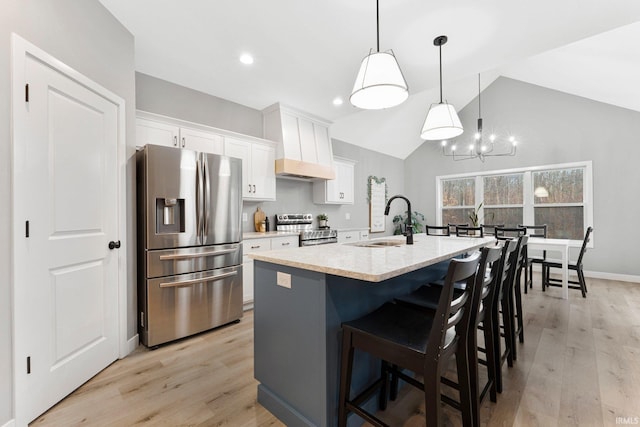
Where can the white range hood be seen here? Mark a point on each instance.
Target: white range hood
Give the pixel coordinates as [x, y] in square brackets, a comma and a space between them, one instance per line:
[304, 147]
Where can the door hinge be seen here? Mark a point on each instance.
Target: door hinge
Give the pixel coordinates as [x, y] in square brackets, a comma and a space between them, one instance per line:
[142, 319]
[26, 92]
[28, 364]
[26, 229]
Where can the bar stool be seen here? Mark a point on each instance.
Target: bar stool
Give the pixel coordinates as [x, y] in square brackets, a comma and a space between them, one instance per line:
[413, 340]
[533, 231]
[453, 227]
[465, 231]
[490, 229]
[427, 298]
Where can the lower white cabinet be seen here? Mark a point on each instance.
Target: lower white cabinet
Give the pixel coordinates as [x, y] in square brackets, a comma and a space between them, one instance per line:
[352, 236]
[250, 246]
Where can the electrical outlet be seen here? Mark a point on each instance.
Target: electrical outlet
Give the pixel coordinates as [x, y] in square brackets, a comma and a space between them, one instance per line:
[244, 217]
[283, 279]
[347, 216]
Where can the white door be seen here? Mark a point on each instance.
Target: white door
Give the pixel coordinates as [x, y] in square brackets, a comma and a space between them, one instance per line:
[241, 150]
[150, 132]
[65, 214]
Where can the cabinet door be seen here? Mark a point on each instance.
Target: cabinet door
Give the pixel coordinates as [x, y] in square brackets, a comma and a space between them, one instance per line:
[197, 140]
[348, 236]
[247, 280]
[285, 242]
[150, 132]
[263, 171]
[345, 172]
[241, 150]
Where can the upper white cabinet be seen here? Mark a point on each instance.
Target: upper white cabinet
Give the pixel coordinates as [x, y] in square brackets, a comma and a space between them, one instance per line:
[257, 154]
[304, 148]
[339, 190]
[258, 167]
[171, 135]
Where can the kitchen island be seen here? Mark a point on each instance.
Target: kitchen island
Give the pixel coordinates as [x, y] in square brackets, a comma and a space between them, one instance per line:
[302, 296]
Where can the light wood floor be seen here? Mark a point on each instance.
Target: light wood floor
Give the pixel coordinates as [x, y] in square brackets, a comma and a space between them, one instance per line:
[579, 366]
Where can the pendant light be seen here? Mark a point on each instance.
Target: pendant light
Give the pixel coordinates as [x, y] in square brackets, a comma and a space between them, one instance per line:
[481, 147]
[380, 83]
[442, 121]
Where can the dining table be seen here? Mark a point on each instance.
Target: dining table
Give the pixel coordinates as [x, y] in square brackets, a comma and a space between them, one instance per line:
[560, 246]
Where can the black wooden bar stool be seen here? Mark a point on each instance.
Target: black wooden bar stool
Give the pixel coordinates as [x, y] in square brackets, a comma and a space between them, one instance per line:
[415, 340]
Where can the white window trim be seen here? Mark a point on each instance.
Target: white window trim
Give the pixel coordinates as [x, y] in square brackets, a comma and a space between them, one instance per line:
[528, 191]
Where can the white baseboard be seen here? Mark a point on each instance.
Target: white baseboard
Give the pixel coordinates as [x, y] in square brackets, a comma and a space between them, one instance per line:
[132, 344]
[612, 276]
[10, 423]
[599, 274]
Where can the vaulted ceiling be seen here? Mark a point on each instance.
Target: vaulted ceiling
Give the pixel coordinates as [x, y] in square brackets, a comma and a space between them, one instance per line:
[308, 52]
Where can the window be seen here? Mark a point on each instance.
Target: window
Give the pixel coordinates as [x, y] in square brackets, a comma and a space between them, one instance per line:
[558, 201]
[503, 199]
[458, 200]
[556, 195]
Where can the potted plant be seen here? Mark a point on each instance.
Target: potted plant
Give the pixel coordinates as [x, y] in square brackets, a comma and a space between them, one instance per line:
[322, 220]
[400, 220]
[474, 216]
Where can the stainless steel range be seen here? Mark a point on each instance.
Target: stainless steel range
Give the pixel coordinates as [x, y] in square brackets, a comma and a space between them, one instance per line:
[303, 223]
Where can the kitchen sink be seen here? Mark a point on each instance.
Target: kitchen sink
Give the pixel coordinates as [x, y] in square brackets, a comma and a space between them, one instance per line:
[377, 243]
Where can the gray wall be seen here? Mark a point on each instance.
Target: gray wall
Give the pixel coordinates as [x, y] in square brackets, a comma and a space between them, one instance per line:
[86, 37]
[162, 97]
[554, 127]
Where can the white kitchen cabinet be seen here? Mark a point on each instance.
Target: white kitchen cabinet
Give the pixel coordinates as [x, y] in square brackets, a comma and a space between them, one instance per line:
[258, 167]
[285, 242]
[339, 190]
[348, 236]
[250, 246]
[171, 135]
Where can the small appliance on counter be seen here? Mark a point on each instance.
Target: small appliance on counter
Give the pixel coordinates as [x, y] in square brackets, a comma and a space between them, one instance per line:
[189, 242]
[303, 223]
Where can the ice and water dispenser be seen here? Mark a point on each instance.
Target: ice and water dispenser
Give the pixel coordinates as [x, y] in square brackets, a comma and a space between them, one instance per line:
[169, 215]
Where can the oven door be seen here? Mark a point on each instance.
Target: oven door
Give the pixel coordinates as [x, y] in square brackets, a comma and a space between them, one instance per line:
[315, 242]
[185, 304]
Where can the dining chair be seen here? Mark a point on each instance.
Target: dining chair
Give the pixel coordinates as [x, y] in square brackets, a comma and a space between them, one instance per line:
[437, 230]
[577, 267]
[503, 233]
[465, 231]
[427, 298]
[533, 231]
[517, 293]
[452, 227]
[490, 229]
[415, 340]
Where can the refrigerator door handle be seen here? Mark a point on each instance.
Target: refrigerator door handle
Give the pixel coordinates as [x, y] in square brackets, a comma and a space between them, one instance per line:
[206, 209]
[197, 281]
[199, 204]
[197, 255]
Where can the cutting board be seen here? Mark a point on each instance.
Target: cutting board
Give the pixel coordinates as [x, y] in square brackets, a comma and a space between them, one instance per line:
[258, 217]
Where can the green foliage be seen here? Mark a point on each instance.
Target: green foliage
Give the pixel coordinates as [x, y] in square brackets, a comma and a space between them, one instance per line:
[323, 217]
[474, 216]
[416, 222]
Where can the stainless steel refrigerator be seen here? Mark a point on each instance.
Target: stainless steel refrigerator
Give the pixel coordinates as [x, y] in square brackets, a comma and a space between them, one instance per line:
[189, 242]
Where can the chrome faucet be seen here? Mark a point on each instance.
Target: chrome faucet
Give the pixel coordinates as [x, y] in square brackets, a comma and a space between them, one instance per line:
[409, 232]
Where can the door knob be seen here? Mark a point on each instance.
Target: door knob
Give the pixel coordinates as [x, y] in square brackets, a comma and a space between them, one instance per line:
[114, 245]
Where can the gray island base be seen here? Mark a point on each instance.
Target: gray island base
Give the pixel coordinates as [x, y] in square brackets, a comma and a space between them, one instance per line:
[297, 329]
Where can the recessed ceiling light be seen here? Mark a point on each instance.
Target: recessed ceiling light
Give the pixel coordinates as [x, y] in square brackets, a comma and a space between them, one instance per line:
[246, 59]
[337, 101]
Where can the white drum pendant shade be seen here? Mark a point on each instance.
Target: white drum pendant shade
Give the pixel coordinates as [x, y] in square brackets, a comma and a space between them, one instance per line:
[442, 122]
[380, 83]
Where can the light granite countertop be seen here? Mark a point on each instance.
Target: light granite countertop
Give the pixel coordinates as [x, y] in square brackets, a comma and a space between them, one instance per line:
[268, 234]
[374, 264]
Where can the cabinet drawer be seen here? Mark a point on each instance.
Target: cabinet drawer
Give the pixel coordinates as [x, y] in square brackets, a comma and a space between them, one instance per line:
[256, 245]
[285, 242]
